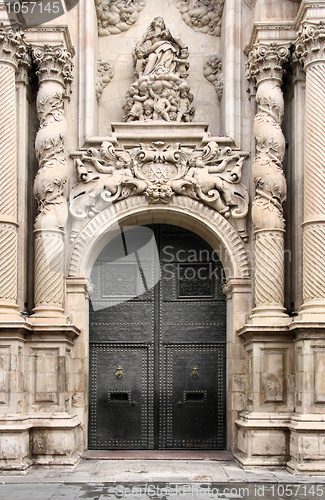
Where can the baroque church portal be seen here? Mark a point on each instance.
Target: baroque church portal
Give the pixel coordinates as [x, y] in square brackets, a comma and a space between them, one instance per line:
[162, 229]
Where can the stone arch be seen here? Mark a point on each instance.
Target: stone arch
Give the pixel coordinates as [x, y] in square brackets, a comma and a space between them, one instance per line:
[183, 211]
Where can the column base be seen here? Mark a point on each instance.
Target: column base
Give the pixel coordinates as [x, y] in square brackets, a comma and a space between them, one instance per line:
[14, 443]
[9, 312]
[263, 439]
[307, 444]
[48, 312]
[312, 311]
[269, 315]
[43, 440]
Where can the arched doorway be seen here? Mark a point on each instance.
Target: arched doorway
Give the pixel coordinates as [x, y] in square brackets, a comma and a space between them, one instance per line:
[157, 346]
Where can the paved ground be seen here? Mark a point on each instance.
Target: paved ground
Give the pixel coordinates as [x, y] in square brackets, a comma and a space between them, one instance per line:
[159, 479]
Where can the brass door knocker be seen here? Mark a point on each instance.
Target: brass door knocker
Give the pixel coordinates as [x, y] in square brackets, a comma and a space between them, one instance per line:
[195, 372]
[119, 372]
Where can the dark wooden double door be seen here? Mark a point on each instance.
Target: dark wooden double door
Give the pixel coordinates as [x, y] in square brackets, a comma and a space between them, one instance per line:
[157, 351]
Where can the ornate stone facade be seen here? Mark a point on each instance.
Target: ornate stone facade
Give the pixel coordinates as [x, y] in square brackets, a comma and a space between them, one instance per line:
[150, 122]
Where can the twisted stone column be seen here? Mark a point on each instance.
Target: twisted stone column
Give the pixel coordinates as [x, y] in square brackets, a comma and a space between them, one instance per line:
[54, 75]
[265, 66]
[310, 47]
[12, 50]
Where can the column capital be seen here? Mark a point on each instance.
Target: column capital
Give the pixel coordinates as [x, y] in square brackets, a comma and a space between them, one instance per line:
[54, 63]
[13, 48]
[266, 60]
[310, 44]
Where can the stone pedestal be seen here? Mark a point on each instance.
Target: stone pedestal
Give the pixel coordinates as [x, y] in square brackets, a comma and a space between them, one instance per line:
[263, 436]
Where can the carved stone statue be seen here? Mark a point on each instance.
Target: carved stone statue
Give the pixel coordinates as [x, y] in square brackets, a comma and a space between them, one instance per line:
[212, 71]
[105, 73]
[161, 68]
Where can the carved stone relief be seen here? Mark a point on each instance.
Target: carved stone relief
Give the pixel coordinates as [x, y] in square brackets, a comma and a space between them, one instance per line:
[212, 71]
[160, 91]
[115, 16]
[160, 171]
[55, 75]
[105, 73]
[202, 15]
[265, 65]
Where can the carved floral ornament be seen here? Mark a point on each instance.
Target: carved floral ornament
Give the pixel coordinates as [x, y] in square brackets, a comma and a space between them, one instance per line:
[310, 44]
[13, 47]
[54, 63]
[160, 171]
[266, 61]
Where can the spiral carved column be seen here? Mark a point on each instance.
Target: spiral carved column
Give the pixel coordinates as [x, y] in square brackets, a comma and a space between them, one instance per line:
[265, 65]
[54, 74]
[12, 51]
[310, 47]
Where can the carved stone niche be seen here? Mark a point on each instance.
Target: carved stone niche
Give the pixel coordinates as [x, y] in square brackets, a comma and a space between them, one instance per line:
[159, 162]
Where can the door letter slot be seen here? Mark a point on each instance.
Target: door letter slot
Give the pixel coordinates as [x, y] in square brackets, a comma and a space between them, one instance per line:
[195, 396]
[119, 397]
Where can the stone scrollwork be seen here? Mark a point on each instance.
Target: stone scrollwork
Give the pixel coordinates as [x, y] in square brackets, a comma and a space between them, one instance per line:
[159, 171]
[115, 16]
[212, 71]
[160, 91]
[105, 73]
[202, 15]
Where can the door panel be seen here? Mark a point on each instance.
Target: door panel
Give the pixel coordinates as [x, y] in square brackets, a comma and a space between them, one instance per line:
[157, 354]
[119, 397]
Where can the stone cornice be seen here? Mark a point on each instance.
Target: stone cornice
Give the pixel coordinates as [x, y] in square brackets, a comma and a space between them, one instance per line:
[310, 44]
[263, 32]
[13, 48]
[306, 6]
[266, 60]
